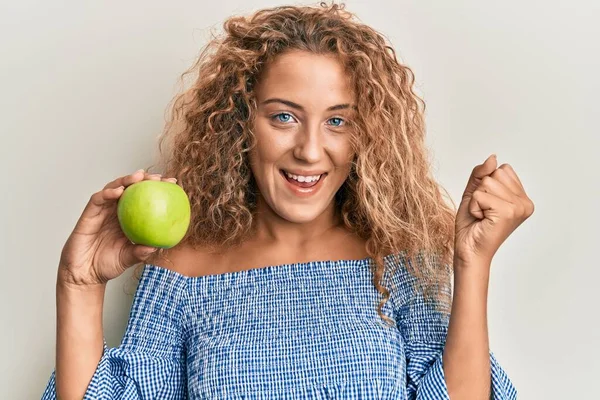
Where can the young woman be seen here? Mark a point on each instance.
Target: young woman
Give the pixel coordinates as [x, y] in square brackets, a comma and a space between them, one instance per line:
[321, 255]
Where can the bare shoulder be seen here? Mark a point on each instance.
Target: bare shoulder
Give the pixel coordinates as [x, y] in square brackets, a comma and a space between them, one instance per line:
[185, 260]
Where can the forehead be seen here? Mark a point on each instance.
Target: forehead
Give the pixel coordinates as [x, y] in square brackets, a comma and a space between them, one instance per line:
[306, 78]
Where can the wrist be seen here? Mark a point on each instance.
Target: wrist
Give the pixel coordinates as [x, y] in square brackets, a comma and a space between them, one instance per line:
[473, 269]
[78, 303]
[67, 281]
[464, 262]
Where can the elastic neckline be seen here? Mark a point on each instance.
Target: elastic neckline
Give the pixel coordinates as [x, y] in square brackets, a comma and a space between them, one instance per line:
[272, 269]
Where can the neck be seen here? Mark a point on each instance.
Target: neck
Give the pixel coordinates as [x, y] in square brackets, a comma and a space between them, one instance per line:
[271, 228]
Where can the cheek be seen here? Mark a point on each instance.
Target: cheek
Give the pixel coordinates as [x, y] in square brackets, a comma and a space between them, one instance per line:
[270, 144]
[343, 156]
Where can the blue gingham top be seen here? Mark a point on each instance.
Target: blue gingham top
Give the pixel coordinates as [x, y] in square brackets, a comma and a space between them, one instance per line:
[295, 331]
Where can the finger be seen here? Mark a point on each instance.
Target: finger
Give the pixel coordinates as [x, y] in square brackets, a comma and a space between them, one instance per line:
[111, 192]
[513, 175]
[481, 170]
[486, 168]
[137, 176]
[492, 185]
[484, 204]
[172, 180]
[91, 220]
[127, 180]
[501, 175]
[135, 253]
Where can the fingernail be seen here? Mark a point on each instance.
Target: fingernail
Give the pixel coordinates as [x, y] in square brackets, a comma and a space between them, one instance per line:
[139, 170]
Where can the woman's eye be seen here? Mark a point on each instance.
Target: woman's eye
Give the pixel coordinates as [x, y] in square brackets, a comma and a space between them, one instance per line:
[336, 121]
[286, 117]
[282, 117]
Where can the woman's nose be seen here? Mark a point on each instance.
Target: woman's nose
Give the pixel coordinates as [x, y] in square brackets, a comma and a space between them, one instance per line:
[309, 146]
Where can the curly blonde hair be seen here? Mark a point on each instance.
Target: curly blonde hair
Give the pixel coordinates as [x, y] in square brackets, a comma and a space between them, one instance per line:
[390, 198]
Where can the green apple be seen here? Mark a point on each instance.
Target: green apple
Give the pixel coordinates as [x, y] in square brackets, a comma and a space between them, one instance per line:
[154, 213]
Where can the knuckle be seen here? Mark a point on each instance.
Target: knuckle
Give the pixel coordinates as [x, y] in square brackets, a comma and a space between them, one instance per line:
[530, 207]
[519, 209]
[511, 212]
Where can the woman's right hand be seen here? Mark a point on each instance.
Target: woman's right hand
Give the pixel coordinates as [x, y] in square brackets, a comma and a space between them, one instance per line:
[97, 250]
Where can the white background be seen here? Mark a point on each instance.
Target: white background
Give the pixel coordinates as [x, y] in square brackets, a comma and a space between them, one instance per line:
[84, 87]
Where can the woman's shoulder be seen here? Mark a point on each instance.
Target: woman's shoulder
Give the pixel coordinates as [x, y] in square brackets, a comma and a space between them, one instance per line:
[184, 260]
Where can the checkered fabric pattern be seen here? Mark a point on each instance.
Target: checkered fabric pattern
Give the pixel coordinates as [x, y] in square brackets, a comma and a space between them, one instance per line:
[294, 331]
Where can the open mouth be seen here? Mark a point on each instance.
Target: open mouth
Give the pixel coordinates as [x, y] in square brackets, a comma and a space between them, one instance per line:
[299, 184]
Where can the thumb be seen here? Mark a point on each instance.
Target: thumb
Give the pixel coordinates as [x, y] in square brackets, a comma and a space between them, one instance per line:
[135, 253]
[479, 172]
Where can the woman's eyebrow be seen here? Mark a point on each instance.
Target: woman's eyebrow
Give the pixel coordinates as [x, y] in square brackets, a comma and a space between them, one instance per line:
[299, 107]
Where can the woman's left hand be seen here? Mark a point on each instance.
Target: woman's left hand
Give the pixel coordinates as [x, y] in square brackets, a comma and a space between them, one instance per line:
[493, 205]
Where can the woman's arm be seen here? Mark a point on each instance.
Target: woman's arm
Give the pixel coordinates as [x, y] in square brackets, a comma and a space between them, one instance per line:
[444, 364]
[493, 205]
[150, 363]
[466, 357]
[79, 337]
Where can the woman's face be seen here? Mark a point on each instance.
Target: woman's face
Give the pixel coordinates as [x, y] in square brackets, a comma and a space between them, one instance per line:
[304, 102]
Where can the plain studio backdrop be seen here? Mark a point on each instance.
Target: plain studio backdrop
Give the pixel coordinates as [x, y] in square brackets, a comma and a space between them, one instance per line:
[84, 88]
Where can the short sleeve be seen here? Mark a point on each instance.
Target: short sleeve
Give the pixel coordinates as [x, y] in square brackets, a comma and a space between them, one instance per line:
[150, 362]
[424, 328]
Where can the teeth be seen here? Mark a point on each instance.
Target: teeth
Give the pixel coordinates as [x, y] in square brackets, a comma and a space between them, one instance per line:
[301, 178]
